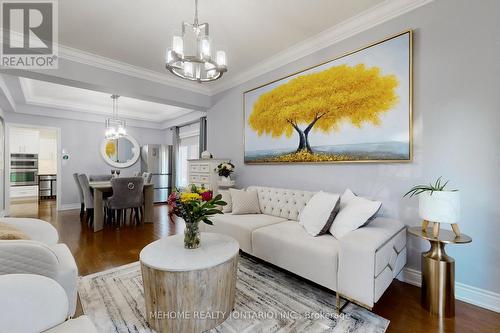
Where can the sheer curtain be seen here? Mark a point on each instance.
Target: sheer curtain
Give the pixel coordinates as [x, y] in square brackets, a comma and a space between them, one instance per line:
[188, 148]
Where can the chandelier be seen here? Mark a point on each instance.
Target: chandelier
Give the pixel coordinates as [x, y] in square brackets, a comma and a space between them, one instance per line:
[115, 128]
[191, 56]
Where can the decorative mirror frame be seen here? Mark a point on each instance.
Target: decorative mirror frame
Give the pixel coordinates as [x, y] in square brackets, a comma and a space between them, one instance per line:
[121, 165]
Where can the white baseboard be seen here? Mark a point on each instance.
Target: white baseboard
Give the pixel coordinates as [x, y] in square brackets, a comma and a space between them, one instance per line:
[69, 206]
[463, 292]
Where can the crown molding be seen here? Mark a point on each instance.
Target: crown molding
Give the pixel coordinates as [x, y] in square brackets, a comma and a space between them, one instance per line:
[368, 19]
[95, 60]
[91, 59]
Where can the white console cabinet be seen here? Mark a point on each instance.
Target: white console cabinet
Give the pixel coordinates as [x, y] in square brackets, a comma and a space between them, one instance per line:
[202, 172]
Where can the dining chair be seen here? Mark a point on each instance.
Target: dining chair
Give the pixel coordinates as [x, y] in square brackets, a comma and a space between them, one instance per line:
[147, 177]
[127, 193]
[88, 197]
[80, 194]
[100, 178]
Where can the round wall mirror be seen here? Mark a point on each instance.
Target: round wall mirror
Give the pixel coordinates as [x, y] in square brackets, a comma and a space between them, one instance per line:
[120, 153]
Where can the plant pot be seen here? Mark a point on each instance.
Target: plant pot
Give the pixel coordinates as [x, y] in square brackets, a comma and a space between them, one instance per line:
[224, 179]
[440, 206]
[192, 237]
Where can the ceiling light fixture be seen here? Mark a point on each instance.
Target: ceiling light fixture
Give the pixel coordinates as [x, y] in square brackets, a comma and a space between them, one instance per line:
[115, 128]
[191, 56]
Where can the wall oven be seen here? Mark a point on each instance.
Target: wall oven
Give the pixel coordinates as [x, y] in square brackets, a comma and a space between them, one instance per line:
[23, 169]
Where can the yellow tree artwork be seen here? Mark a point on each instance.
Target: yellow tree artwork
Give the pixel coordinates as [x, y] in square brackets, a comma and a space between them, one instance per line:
[325, 102]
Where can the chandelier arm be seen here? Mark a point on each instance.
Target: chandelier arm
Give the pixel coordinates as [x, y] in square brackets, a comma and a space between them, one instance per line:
[196, 12]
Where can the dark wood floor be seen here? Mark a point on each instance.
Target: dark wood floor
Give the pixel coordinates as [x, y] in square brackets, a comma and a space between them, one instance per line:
[95, 252]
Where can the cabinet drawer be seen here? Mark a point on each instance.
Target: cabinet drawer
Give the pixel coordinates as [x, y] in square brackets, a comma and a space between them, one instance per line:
[204, 168]
[23, 191]
[194, 178]
[194, 167]
[204, 179]
[207, 186]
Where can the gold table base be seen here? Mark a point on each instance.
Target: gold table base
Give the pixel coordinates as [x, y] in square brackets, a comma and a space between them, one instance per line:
[438, 281]
[438, 270]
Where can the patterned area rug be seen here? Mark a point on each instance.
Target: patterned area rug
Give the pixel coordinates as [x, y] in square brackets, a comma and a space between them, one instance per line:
[267, 300]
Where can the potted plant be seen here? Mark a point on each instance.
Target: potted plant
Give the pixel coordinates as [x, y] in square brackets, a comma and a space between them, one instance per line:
[194, 205]
[224, 170]
[437, 204]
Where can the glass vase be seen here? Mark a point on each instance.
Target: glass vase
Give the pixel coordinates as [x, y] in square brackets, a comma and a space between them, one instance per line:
[192, 239]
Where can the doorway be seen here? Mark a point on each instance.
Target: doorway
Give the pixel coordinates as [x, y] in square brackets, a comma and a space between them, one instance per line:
[32, 180]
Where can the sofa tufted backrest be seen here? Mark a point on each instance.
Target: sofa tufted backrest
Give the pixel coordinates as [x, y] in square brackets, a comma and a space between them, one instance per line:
[281, 202]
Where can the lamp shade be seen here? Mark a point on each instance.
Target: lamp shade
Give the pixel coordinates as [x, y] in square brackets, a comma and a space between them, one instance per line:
[440, 206]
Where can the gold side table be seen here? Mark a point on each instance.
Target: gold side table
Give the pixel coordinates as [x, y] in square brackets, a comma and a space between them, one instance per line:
[438, 271]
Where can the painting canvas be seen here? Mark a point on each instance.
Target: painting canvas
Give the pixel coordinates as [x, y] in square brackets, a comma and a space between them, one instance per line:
[356, 108]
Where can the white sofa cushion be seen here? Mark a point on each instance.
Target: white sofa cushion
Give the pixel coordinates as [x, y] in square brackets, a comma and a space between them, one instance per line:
[244, 202]
[354, 212]
[36, 229]
[67, 274]
[319, 213]
[240, 227]
[226, 197]
[31, 303]
[287, 245]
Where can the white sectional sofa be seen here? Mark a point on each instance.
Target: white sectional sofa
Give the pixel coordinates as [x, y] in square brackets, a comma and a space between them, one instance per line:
[40, 255]
[360, 266]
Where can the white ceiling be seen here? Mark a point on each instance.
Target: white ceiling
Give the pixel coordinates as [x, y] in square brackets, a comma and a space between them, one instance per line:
[138, 32]
[78, 100]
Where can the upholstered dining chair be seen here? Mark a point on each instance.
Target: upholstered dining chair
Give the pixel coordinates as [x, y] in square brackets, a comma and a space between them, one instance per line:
[127, 193]
[80, 194]
[100, 178]
[88, 197]
[147, 177]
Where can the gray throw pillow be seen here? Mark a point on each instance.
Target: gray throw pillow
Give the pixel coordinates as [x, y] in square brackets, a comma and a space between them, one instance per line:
[244, 202]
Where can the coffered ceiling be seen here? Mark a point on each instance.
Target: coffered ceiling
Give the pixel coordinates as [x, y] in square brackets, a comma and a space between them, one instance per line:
[83, 101]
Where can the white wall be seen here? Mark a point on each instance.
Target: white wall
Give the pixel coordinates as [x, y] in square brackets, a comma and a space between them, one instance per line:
[82, 140]
[456, 115]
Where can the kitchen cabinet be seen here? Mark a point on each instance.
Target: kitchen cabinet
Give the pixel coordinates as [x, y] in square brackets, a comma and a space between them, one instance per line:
[23, 191]
[24, 141]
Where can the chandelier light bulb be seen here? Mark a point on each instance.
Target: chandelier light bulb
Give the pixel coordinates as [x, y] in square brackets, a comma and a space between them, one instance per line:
[221, 58]
[178, 44]
[205, 47]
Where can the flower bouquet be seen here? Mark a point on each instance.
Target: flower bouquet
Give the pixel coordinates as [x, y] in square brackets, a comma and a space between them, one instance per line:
[194, 205]
[224, 170]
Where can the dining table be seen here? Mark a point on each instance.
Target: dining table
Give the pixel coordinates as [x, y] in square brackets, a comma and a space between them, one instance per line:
[102, 187]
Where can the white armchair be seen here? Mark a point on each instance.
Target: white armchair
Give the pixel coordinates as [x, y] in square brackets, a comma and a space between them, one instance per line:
[41, 255]
[33, 303]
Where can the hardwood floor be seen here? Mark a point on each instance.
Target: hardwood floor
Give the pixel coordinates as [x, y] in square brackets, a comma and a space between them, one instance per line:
[95, 252]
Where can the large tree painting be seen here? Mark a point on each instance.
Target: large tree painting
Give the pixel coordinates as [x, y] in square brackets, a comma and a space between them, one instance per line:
[356, 108]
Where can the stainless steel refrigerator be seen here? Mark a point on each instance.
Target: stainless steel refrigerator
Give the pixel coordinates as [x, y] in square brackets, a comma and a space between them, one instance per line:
[158, 159]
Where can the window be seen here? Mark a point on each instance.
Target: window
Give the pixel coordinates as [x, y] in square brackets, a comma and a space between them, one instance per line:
[189, 141]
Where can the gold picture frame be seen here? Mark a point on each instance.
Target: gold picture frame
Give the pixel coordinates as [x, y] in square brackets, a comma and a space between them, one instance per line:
[409, 33]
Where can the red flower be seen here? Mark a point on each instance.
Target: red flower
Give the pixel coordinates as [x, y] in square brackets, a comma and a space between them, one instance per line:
[207, 195]
[172, 198]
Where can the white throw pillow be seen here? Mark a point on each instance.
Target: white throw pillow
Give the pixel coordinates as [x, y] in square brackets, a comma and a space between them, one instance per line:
[319, 213]
[354, 213]
[244, 202]
[226, 196]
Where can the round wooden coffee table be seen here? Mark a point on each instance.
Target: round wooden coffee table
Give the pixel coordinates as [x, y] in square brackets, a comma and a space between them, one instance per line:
[189, 290]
